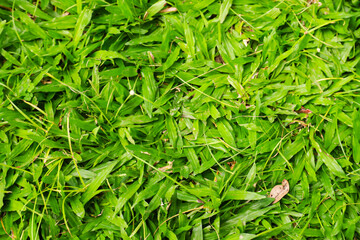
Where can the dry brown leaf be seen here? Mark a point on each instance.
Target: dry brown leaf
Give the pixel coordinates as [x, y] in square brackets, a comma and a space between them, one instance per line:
[170, 9]
[166, 168]
[304, 110]
[279, 191]
[219, 59]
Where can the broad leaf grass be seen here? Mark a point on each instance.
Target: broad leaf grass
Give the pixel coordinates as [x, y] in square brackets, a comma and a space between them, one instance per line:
[136, 119]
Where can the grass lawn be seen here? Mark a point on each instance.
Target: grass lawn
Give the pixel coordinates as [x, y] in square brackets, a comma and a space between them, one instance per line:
[148, 119]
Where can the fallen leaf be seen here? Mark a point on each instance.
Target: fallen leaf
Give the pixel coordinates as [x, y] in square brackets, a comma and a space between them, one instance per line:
[219, 59]
[279, 191]
[170, 9]
[168, 167]
[304, 110]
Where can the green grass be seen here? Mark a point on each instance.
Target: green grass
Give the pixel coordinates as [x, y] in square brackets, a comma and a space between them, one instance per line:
[132, 119]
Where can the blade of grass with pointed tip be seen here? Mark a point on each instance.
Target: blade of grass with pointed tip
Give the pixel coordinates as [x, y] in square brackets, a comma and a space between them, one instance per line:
[91, 190]
[327, 159]
[149, 89]
[224, 10]
[154, 9]
[82, 21]
[242, 195]
[356, 136]
[226, 132]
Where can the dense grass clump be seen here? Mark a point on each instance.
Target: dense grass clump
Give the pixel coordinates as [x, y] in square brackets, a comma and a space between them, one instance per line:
[147, 119]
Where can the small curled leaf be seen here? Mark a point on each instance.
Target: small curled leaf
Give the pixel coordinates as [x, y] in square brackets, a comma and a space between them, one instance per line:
[279, 191]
